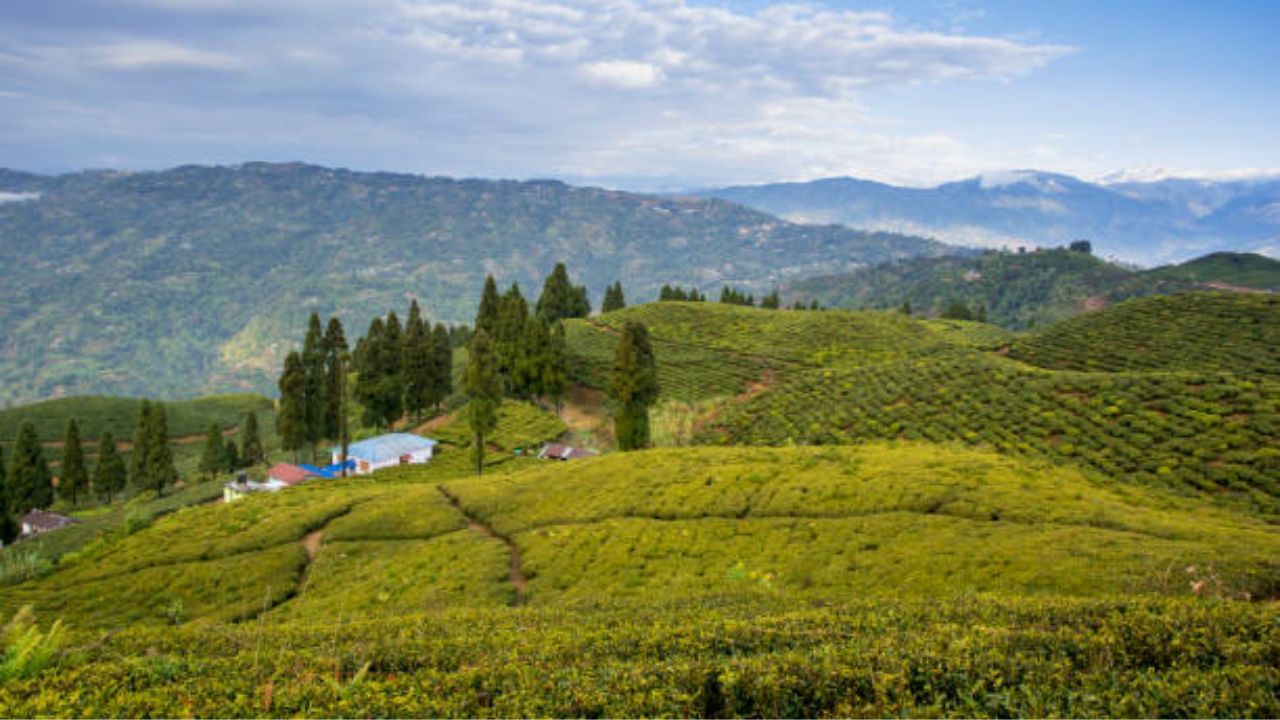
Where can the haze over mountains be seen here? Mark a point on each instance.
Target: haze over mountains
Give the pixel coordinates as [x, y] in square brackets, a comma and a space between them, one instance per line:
[194, 279]
[1148, 223]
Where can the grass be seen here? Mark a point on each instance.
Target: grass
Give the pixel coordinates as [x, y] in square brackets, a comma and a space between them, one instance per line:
[521, 426]
[96, 414]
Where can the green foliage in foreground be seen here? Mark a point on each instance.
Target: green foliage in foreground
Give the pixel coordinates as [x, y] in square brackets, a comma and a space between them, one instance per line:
[1236, 332]
[520, 425]
[975, 657]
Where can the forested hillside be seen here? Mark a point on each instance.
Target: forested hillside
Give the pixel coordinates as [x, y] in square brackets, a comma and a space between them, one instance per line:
[1027, 289]
[191, 280]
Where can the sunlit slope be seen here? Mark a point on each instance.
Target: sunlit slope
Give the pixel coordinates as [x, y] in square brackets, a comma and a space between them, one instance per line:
[1214, 434]
[901, 520]
[1236, 332]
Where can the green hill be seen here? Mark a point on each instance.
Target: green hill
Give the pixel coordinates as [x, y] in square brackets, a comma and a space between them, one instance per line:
[1237, 332]
[1237, 269]
[1026, 290]
[197, 279]
[96, 414]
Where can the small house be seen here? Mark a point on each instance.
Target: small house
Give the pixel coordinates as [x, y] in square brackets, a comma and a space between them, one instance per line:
[289, 474]
[237, 489]
[42, 521]
[387, 451]
[557, 451]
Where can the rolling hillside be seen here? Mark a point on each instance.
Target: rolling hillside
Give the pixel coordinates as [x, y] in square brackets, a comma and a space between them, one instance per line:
[1026, 290]
[195, 280]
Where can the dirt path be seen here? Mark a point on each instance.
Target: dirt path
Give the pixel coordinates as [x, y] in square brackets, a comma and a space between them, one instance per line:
[311, 543]
[516, 573]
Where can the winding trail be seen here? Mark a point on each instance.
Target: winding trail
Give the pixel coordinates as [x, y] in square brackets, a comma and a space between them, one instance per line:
[517, 577]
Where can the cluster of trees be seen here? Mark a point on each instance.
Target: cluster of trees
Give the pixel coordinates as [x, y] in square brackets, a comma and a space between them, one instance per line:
[313, 391]
[25, 483]
[678, 293]
[733, 296]
[220, 455]
[518, 353]
[958, 309]
[633, 386]
[402, 369]
[613, 298]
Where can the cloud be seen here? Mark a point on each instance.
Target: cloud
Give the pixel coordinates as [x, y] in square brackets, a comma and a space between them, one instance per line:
[659, 89]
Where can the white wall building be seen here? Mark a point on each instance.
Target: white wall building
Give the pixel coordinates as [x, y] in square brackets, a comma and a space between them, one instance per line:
[387, 451]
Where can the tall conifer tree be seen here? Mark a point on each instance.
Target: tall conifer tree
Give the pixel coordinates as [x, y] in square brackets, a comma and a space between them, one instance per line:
[483, 386]
[214, 458]
[313, 363]
[109, 475]
[633, 387]
[251, 451]
[291, 418]
[138, 464]
[335, 346]
[441, 366]
[560, 299]
[160, 469]
[417, 363]
[555, 371]
[73, 477]
[30, 484]
[8, 523]
[487, 315]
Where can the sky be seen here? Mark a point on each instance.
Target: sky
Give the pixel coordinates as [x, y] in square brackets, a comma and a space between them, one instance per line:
[645, 94]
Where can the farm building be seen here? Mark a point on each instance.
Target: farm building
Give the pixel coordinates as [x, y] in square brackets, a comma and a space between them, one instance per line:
[387, 451]
[290, 474]
[557, 451]
[233, 491]
[42, 521]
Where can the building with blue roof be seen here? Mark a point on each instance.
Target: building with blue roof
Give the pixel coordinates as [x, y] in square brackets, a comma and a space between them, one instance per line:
[387, 451]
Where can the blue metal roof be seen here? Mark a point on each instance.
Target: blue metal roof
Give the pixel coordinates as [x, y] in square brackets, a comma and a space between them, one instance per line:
[387, 447]
[328, 471]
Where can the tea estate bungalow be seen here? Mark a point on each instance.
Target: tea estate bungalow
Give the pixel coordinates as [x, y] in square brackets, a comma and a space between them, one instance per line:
[387, 451]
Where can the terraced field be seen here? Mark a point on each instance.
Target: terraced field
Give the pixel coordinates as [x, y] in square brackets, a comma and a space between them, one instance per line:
[1235, 332]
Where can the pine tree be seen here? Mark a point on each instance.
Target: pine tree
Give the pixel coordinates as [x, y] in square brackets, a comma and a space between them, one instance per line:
[160, 470]
[73, 480]
[906, 307]
[8, 523]
[633, 387]
[368, 370]
[982, 313]
[335, 346]
[531, 357]
[110, 475]
[487, 315]
[483, 386]
[251, 451]
[513, 316]
[30, 484]
[614, 299]
[771, 301]
[138, 463]
[231, 456]
[560, 299]
[555, 371]
[441, 366]
[417, 363]
[290, 416]
[214, 457]
[391, 376]
[313, 364]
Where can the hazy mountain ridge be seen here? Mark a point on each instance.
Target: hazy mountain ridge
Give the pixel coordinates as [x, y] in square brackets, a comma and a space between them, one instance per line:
[1147, 222]
[195, 279]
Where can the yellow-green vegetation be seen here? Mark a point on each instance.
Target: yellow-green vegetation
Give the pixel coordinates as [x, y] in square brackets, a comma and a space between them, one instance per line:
[1236, 332]
[521, 426]
[1215, 433]
[982, 336]
[95, 414]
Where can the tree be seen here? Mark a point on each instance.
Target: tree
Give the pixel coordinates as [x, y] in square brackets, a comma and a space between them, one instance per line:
[30, 484]
[982, 313]
[633, 387]
[313, 387]
[441, 366]
[906, 307]
[513, 316]
[73, 478]
[530, 360]
[560, 299]
[487, 315]
[160, 470]
[1081, 246]
[335, 346]
[614, 299]
[555, 371]
[417, 363]
[290, 418]
[483, 386]
[9, 529]
[231, 456]
[214, 457]
[138, 466]
[957, 310]
[251, 451]
[109, 476]
[771, 301]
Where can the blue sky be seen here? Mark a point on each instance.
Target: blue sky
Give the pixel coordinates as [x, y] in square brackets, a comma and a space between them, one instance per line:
[644, 94]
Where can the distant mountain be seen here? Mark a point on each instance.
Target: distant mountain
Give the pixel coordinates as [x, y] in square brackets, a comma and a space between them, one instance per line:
[1143, 222]
[1025, 290]
[198, 279]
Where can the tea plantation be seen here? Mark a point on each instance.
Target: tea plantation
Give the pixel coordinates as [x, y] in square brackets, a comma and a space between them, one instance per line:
[886, 516]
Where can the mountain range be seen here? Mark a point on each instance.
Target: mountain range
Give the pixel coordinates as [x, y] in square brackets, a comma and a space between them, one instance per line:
[198, 279]
[1147, 223]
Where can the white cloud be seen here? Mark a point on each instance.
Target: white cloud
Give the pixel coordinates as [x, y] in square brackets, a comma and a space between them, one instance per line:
[624, 73]
[143, 55]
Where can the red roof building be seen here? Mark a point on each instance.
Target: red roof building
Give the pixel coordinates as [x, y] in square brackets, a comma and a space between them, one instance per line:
[289, 474]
